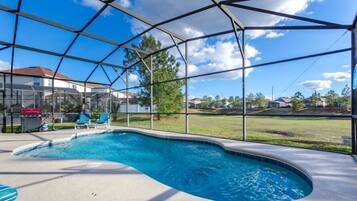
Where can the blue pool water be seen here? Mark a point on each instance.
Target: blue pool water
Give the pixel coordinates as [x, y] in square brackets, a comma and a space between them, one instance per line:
[201, 169]
[7, 193]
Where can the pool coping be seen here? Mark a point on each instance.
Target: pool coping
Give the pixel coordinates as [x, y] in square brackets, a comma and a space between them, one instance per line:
[321, 188]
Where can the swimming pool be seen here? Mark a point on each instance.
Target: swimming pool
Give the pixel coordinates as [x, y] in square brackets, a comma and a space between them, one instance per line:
[202, 169]
[7, 193]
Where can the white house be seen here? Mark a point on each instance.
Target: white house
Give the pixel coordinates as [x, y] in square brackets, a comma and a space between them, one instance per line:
[21, 77]
[29, 86]
[282, 102]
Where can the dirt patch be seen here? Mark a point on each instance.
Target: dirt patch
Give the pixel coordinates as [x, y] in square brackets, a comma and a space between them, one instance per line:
[283, 133]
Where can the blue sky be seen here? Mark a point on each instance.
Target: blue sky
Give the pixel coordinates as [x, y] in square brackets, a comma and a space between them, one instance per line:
[214, 54]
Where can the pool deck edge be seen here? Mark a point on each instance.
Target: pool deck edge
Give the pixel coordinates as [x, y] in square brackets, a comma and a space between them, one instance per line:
[334, 176]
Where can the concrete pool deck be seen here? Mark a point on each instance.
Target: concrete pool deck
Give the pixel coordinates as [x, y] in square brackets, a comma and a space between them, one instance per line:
[334, 175]
[80, 180]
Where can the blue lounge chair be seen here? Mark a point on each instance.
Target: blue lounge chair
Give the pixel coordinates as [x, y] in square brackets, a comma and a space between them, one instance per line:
[104, 119]
[84, 120]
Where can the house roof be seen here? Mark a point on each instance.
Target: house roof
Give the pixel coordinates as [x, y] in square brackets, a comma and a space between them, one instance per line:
[45, 72]
[95, 86]
[38, 71]
[279, 102]
[43, 88]
[284, 99]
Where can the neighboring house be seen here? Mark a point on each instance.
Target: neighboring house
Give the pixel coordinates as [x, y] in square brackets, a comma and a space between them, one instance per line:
[250, 105]
[282, 102]
[321, 102]
[21, 77]
[134, 103]
[37, 91]
[195, 103]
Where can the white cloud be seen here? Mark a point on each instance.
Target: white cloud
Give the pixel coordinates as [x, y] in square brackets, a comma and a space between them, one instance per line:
[4, 65]
[317, 85]
[124, 3]
[154, 10]
[258, 58]
[274, 34]
[326, 84]
[250, 51]
[193, 26]
[338, 76]
[222, 53]
[133, 77]
[93, 4]
[292, 7]
[346, 66]
[219, 56]
[215, 56]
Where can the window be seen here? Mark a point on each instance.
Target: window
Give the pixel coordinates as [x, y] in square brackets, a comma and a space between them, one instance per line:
[36, 81]
[50, 82]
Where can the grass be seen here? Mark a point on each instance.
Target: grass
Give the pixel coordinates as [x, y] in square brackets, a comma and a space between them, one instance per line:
[312, 133]
[58, 126]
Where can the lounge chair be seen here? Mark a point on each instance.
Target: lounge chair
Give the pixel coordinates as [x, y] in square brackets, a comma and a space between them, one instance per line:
[104, 119]
[84, 120]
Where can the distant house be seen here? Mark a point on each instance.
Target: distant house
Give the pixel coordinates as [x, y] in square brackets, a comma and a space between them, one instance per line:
[250, 105]
[320, 102]
[282, 102]
[195, 103]
[134, 103]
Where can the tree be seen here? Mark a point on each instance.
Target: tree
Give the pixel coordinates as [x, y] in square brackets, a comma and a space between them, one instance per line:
[68, 107]
[115, 109]
[237, 102]
[345, 99]
[167, 97]
[207, 102]
[217, 98]
[217, 102]
[298, 102]
[250, 100]
[224, 102]
[231, 100]
[332, 98]
[314, 99]
[260, 100]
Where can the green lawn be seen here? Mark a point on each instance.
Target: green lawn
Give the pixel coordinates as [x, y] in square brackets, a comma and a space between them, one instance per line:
[314, 133]
[17, 127]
